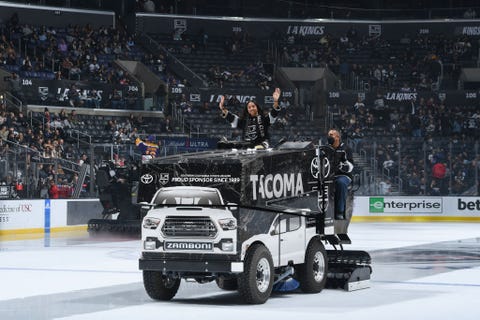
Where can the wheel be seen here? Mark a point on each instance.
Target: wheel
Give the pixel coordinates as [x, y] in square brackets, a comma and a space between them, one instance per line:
[312, 274]
[228, 284]
[256, 282]
[158, 286]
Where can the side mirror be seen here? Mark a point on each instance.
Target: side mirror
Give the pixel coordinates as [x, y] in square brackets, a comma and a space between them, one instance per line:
[145, 207]
[145, 204]
[232, 206]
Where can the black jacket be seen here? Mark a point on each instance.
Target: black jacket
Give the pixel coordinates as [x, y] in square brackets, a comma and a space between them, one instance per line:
[342, 154]
[255, 129]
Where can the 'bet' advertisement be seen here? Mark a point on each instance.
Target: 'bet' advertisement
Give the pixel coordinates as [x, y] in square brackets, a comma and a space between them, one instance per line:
[417, 206]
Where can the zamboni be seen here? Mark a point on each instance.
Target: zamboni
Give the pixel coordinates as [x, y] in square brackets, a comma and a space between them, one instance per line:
[250, 220]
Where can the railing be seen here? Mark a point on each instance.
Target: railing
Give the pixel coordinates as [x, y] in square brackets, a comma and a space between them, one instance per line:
[377, 10]
[21, 165]
[176, 65]
[439, 166]
[78, 135]
[13, 101]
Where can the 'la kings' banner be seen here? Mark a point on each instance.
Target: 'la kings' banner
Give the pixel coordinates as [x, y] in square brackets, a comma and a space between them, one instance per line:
[56, 92]
[242, 96]
[395, 98]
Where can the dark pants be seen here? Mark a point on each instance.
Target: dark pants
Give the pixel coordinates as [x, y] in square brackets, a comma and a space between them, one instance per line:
[341, 193]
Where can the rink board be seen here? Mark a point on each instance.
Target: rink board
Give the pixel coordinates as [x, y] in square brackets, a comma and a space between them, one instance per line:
[49, 216]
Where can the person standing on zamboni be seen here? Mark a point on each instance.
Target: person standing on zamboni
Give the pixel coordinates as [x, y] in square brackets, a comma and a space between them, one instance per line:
[253, 122]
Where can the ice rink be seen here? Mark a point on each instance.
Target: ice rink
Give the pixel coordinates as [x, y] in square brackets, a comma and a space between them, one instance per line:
[420, 271]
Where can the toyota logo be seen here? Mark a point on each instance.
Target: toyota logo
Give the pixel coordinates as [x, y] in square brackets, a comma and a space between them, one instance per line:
[315, 168]
[146, 178]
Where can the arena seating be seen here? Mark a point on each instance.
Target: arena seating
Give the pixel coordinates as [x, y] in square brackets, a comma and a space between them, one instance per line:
[446, 132]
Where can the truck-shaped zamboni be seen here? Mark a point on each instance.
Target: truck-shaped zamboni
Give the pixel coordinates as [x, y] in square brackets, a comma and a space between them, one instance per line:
[251, 220]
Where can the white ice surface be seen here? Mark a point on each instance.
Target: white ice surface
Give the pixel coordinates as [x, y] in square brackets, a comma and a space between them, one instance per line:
[107, 273]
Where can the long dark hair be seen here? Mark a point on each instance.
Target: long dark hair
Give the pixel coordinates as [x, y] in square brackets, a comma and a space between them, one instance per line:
[245, 114]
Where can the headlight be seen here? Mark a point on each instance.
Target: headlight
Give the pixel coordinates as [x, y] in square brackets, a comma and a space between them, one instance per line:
[228, 224]
[226, 245]
[151, 223]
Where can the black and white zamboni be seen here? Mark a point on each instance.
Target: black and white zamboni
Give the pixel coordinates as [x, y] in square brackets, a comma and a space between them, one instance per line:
[247, 219]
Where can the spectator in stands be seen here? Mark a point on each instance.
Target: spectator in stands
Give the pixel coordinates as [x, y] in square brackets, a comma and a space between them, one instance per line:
[133, 135]
[74, 73]
[62, 47]
[439, 171]
[73, 119]
[385, 187]
[120, 136]
[53, 192]
[3, 132]
[434, 189]
[359, 105]
[343, 173]
[93, 101]
[388, 164]
[148, 6]
[83, 159]
[253, 122]
[19, 188]
[413, 183]
[26, 64]
[74, 97]
[357, 138]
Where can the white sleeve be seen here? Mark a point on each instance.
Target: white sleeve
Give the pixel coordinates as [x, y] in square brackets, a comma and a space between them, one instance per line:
[234, 123]
[349, 166]
[271, 118]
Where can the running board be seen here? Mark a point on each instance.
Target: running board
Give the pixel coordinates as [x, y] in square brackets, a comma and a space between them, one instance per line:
[335, 239]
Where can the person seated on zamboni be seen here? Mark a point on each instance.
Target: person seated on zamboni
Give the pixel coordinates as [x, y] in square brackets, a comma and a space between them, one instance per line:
[343, 172]
[253, 122]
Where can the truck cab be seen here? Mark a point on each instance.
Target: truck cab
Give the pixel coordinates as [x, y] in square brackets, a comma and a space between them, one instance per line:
[189, 220]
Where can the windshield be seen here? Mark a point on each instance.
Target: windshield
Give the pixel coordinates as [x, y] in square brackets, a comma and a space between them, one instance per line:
[188, 196]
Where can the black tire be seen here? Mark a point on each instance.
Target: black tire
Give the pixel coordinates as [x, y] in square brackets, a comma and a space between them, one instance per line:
[312, 275]
[158, 286]
[256, 282]
[227, 284]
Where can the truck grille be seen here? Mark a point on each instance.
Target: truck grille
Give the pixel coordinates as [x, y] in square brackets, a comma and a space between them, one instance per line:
[189, 227]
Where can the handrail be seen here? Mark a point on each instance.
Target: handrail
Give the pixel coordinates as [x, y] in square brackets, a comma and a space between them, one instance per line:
[70, 164]
[80, 133]
[13, 101]
[184, 71]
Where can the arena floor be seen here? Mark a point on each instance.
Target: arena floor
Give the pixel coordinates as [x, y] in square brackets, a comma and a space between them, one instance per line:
[420, 271]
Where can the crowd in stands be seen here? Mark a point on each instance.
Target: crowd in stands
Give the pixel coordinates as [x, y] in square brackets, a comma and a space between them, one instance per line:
[78, 53]
[239, 60]
[74, 52]
[255, 74]
[409, 62]
[412, 139]
[42, 137]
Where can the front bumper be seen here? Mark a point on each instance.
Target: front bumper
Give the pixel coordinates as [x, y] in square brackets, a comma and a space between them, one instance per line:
[190, 263]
